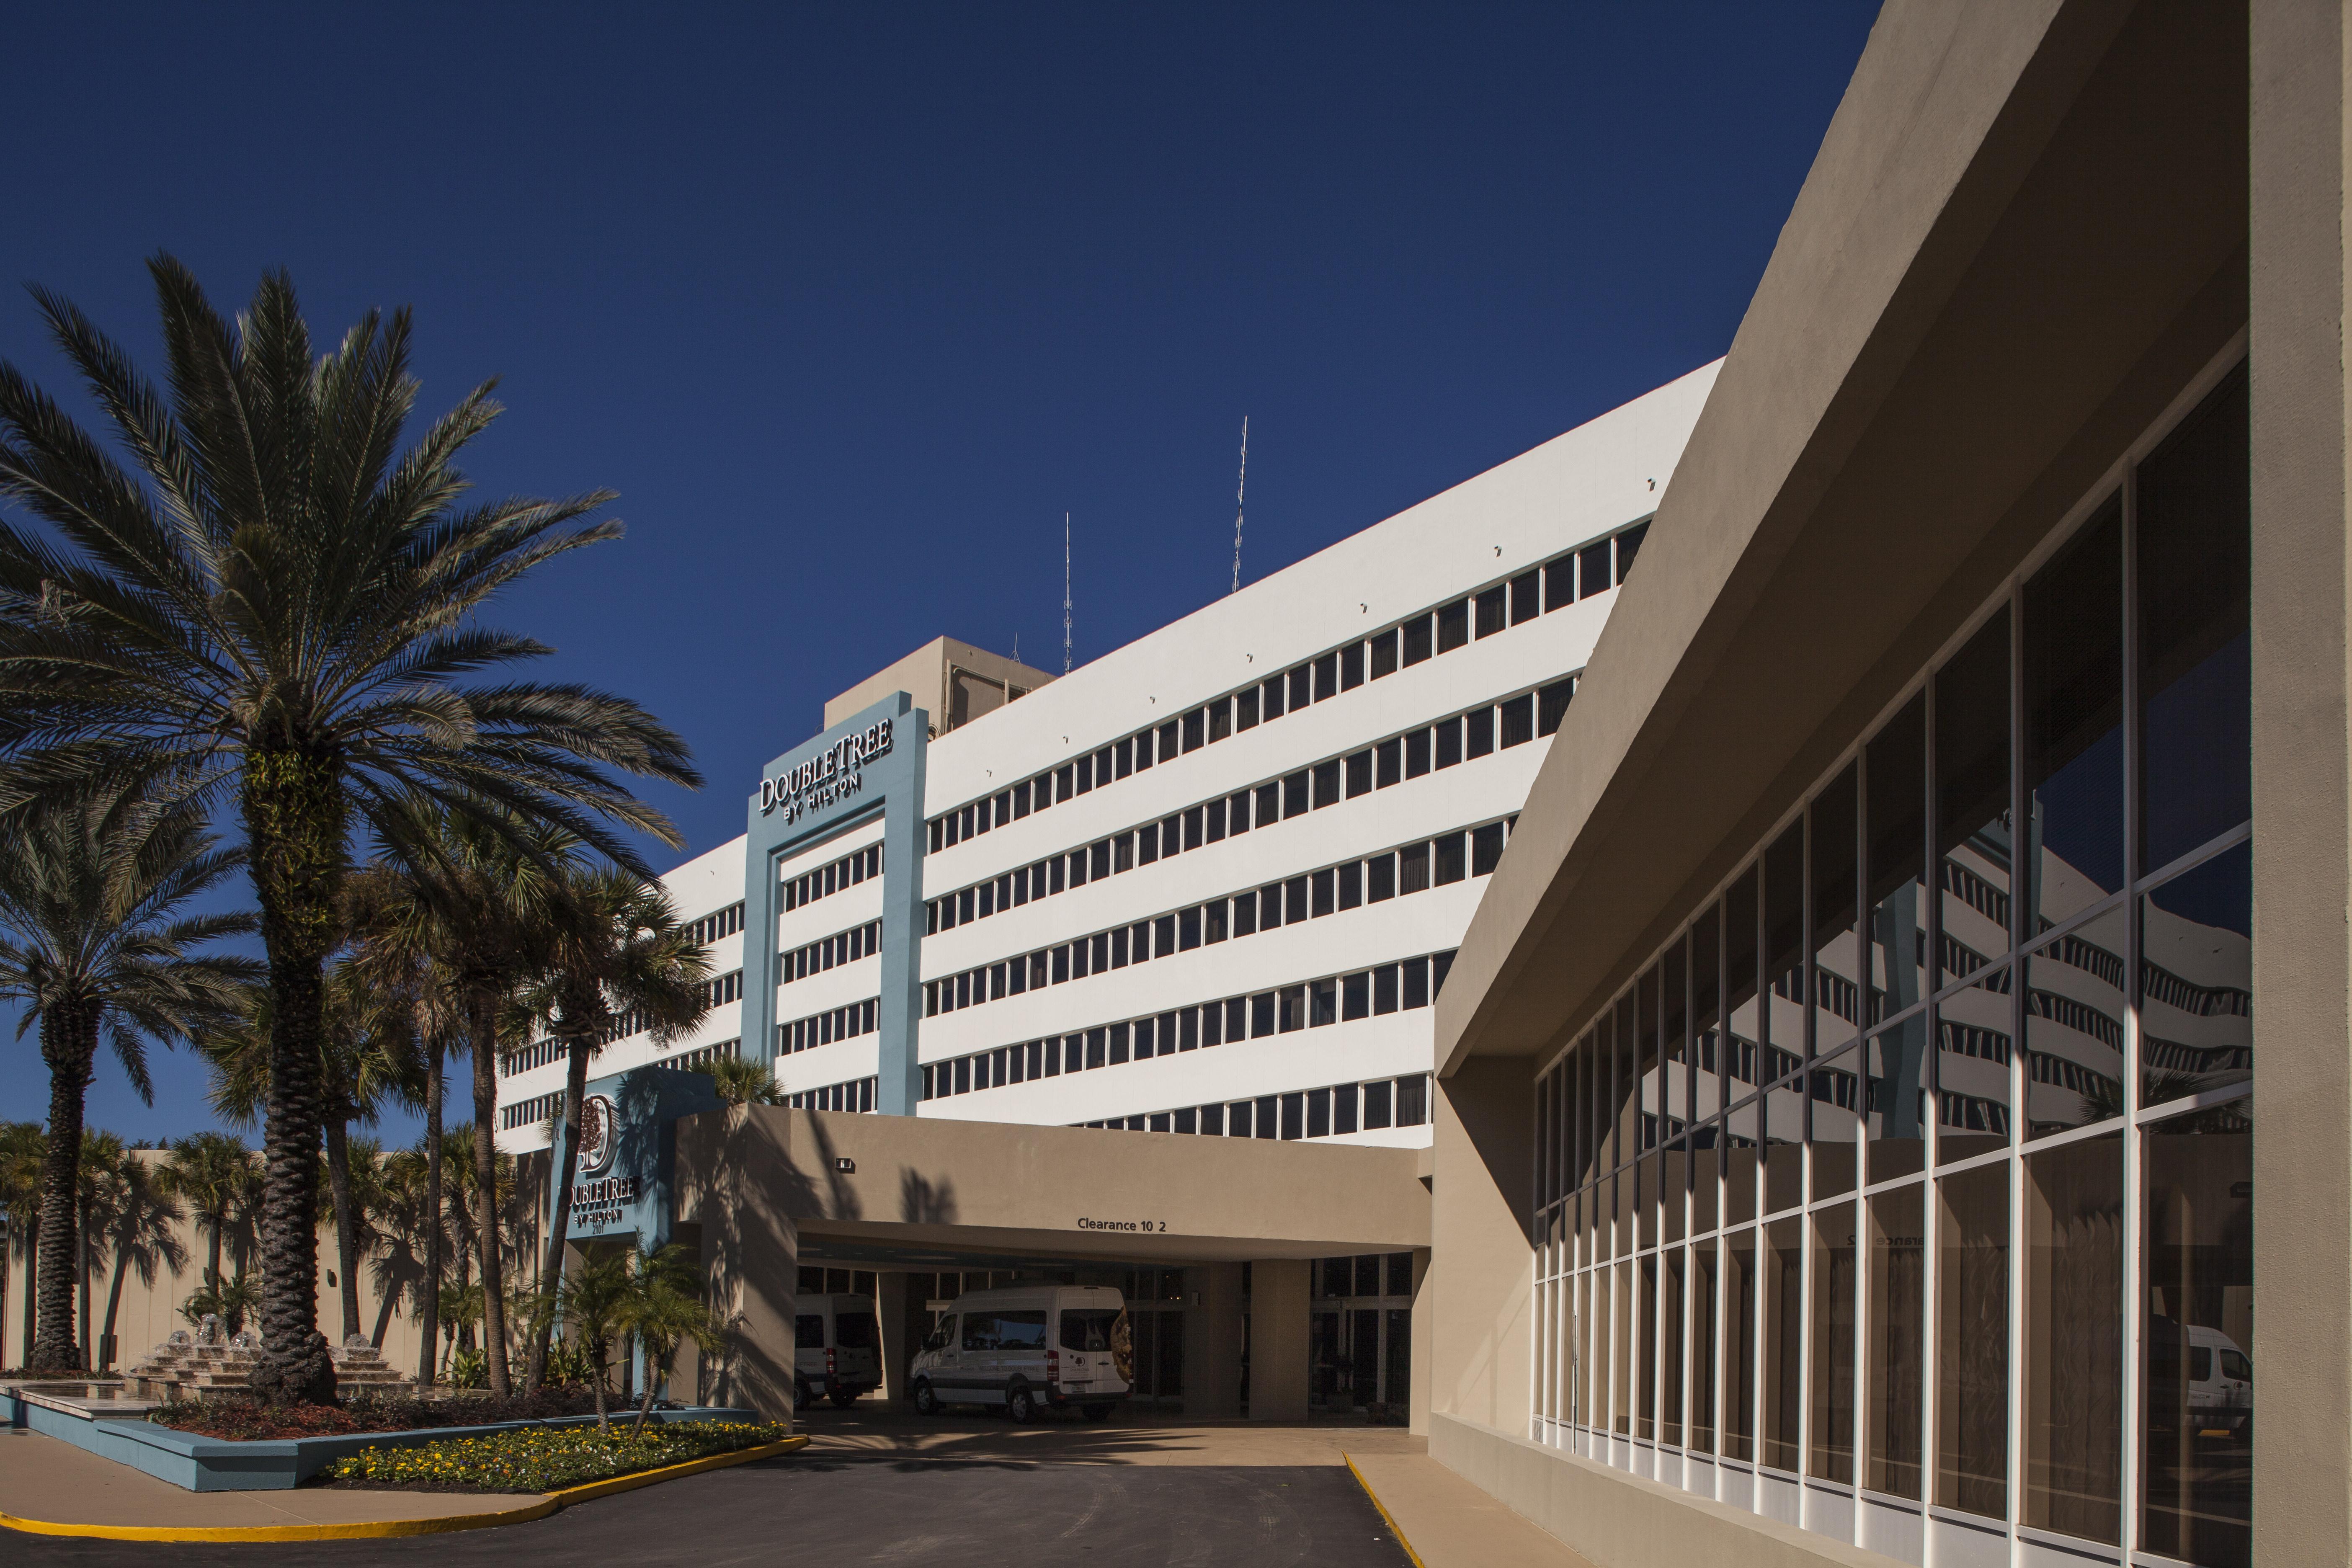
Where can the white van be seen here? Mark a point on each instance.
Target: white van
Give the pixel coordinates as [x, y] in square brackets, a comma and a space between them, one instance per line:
[1028, 1348]
[839, 1349]
[2200, 1378]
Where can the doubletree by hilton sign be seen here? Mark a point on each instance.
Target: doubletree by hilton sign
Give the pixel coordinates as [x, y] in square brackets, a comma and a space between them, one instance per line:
[833, 774]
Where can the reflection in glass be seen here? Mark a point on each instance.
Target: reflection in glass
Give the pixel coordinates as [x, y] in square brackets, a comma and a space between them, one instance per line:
[1621, 1354]
[1784, 951]
[2195, 683]
[1702, 1348]
[1645, 1213]
[1704, 1161]
[1581, 1361]
[2075, 1028]
[1836, 1091]
[1673, 1179]
[1973, 1038]
[1743, 1156]
[1739, 1344]
[1631, 1190]
[1972, 1342]
[1784, 1146]
[2197, 977]
[2073, 1344]
[1837, 955]
[1629, 1083]
[1645, 1330]
[1898, 860]
[1740, 969]
[1784, 1328]
[1895, 1073]
[2073, 636]
[1898, 1321]
[1834, 1302]
[2198, 1336]
[1670, 1362]
[1972, 820]
[1592, 1094]
[1654, 1111]
[1707, 1014]
[1674, 1038]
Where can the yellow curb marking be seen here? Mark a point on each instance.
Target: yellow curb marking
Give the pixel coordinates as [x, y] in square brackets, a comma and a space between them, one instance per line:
[538, 1508]
[1386, 1517]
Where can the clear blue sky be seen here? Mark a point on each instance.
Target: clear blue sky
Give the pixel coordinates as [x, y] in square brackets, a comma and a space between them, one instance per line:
[851, 303]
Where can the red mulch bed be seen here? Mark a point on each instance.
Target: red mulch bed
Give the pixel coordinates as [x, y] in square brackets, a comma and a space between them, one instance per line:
[245, 1420]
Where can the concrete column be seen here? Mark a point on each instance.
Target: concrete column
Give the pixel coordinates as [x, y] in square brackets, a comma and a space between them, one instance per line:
[1280, 1345]
[890, 1304]
[1423, 1344]
[731, 1165]
[2298, 294]
[1478, 1292]
[1213, 1341]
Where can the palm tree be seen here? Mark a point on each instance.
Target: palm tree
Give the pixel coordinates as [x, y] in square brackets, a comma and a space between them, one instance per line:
[596, 1303]
[22, 1155]
[666, 1309]
[398, 1210]
[213, 1171]
[618, 951]
[368, 1056]
[271, 605]
[742, 1082]
[98, 1198]
[96, 940]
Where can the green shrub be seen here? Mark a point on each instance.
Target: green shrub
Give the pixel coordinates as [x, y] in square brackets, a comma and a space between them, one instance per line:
[546, 1458]
[468, 1368]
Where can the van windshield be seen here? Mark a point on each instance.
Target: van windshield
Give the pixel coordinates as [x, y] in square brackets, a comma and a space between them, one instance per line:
[1088, 1329]
[855, 1331]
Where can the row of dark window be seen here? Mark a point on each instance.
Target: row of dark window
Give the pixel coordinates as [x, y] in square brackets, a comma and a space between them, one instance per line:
[529, 1113]
[1556, 584]
[1462, 737]
[1333, 998]
[1449, 858]
[854, 1094]
[842, 1023]
[1340, 1277]
[721, 922]
[829, 951]
[701, 1054]
[719, 990]
[826, 881]
[538, 1054]
[1340, 1108]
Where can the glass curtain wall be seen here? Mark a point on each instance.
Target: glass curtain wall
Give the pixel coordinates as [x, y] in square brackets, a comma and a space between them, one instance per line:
[1917, 1168]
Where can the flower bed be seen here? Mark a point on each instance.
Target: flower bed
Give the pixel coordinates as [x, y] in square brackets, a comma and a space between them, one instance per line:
[546, 1458]
[246, 1420]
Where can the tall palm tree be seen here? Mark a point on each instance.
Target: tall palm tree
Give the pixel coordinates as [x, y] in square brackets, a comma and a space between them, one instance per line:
[98, 1199]
[96, 940]
[477, 903]
[23, 1156]
[740, 1081]
[618, 951]
[213, 1172]
[400, 1213]
[258, 596]
[368, 1058]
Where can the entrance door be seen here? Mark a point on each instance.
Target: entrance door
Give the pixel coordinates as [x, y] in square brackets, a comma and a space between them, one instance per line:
[1328, 1368]
[1364, 1372]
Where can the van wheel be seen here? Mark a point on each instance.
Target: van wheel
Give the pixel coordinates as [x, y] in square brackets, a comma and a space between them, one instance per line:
[926, 1402]
[1096, 1412]
[802, 1398]
[844, 1398]
[1020, 1405]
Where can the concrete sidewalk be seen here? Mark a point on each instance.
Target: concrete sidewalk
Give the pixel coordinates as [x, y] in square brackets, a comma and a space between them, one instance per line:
[1449, 1523]
[1138, 1437]
[52, 1482]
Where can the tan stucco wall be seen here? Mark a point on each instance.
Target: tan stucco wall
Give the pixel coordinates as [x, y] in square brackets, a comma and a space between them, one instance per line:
[2303, 809]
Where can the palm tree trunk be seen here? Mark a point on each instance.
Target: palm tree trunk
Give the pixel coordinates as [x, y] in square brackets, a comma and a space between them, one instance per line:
[214, 1225]
[114, 1291]
[32, 1292]
[429, 1328]
[558, 1229]
[486, 1193]
[69, 1042]
[339, 1180]
[81, 1273]
[294, 813]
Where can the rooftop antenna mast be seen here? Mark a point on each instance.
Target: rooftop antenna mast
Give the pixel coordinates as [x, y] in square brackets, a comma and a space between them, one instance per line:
[1065, 593]
[1240, 490]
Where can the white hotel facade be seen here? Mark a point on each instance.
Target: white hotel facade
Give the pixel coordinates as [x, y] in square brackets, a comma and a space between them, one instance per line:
[1207, 884]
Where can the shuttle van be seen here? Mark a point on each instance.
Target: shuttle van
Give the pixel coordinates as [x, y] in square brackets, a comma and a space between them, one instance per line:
[1026, 1349]
[837, 1353]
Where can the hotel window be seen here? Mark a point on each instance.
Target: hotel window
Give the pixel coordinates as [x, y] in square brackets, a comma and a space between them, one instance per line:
[1518, 720]
[1491, 612]
[1301, 688]
[1551, 704]
[1416, 754]
[1195, 729]
[1351, 667]
[1416, 632]
[1448, 733]
[1479, 725]
[1327, 783]
[1380, 878]
[1270, 696]
[1486, 848]
[1593, 570]
[1451, 865]
[1452, 625]
[1384, 654]
[1968, 939]
[1388, 762]
[1413, 874]
[1220, 718]
[1527, 597]
[1327, 677]
[1628, 542]
[1560, 583]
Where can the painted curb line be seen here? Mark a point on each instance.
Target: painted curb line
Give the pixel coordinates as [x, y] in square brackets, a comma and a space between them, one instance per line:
[536, 1508]
[1387, 1518]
